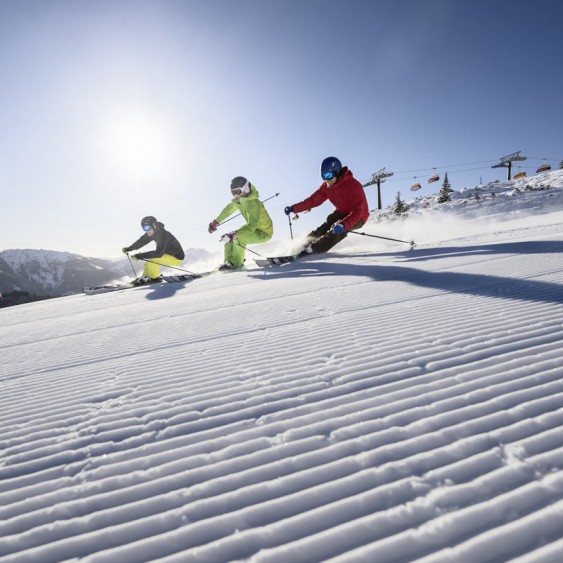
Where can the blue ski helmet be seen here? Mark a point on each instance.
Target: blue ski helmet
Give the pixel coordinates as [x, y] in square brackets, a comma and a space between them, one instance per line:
[330, 167]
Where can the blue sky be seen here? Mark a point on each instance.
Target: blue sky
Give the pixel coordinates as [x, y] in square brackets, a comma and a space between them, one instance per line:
[114, 109]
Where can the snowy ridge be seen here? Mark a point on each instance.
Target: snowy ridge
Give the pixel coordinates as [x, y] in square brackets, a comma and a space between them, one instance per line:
[48, 272]
[41, 267]
[18, 258]
[525, 196]
[373, 404]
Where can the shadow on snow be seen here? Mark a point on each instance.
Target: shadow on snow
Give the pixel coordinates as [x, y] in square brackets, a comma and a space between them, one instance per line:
[485, 285]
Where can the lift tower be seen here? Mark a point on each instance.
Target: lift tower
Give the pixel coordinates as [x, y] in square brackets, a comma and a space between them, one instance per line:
[377, 178]
[506, 162]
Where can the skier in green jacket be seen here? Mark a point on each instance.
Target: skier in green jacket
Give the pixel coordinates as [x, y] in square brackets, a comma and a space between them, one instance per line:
[258, 226]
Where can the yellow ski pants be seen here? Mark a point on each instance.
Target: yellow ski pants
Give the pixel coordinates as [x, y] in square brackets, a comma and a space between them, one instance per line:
[152, 265]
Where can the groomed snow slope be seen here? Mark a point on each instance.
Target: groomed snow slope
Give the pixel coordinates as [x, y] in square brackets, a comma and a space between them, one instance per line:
[374, 404]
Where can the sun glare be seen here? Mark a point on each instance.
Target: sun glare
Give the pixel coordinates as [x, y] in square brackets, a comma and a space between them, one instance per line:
[136, 143]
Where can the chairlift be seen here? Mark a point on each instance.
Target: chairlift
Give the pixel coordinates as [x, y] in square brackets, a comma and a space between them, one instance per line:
[543, 168]
[520, 175]
[416, 186]
[434, 178]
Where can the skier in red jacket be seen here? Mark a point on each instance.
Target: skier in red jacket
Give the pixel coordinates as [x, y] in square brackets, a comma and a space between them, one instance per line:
[346, 194]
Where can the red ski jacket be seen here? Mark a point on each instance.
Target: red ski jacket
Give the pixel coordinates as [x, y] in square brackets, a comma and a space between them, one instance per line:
[347, 195]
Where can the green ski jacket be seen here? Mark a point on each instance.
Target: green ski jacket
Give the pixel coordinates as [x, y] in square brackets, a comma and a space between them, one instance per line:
[252, 209]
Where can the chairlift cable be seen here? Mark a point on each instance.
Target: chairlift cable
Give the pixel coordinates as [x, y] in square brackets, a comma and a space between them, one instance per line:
[445, 166]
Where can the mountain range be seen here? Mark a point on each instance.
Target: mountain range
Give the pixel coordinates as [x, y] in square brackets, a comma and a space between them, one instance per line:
[51, 273]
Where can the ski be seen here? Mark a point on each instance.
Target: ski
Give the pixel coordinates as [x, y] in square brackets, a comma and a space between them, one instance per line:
[94, 290]
[182, 278]
[275, 261]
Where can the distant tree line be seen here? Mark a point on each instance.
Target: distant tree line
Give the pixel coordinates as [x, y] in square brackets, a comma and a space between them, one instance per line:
[19, 298]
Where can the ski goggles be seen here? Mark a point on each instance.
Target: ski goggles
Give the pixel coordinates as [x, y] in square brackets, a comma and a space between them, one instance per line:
[240, 190]
[147, 228]
[328, 175]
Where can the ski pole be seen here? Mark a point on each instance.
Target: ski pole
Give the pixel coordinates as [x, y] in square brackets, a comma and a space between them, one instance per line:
[249, 249]
[385, 238]
[131, 262]
[227, 238]
[295, 217]
[235, 216]
[173, 267]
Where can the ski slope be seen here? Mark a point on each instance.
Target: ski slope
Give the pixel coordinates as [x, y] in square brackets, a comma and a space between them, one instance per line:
[373, 404]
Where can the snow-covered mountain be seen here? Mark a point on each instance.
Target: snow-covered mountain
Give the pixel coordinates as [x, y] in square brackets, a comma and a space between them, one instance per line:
[48, 272]
[374, 404]
[52, 273]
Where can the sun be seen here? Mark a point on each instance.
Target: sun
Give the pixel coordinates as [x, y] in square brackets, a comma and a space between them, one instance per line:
[136, 143]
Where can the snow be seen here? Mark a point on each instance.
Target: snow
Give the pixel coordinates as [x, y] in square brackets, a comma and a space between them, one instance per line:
[43, 267]
[17, 258]
[372, 404]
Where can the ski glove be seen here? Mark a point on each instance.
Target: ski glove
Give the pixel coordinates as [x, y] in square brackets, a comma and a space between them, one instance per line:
[229, 237]
[338, 229]
[135, 257]
[125, 249]
[288, 209]
[213, 226]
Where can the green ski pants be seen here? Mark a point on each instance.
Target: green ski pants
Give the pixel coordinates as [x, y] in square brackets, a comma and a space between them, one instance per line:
[235, 250]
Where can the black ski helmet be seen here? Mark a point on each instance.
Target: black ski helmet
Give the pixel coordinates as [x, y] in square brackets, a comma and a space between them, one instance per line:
[330, 167]
[149, 220]
[240, 185]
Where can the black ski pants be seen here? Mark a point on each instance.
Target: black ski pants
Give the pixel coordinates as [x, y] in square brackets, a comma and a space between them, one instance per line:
[322, 237]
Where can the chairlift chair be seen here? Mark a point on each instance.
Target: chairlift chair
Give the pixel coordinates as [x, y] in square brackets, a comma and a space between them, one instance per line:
[519, 175]
[434, 178]
[543, 168]
[416, 186]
